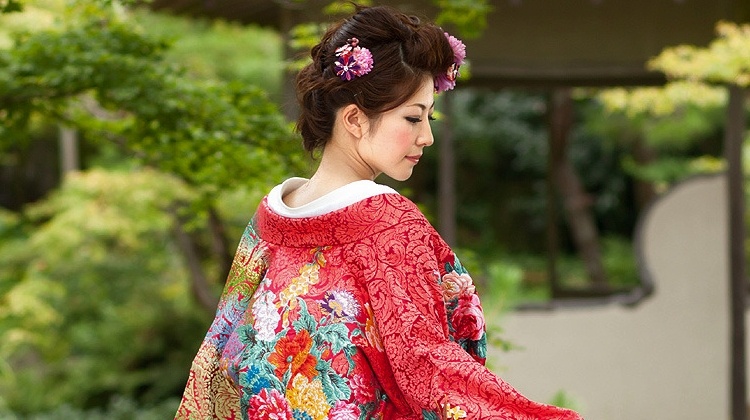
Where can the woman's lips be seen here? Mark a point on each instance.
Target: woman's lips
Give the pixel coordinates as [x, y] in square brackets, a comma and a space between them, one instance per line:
[414, 158]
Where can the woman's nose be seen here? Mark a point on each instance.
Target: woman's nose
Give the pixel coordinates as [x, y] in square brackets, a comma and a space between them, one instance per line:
[425, 137]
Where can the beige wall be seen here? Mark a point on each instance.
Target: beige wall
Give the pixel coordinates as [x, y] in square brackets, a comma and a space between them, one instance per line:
[666, 358]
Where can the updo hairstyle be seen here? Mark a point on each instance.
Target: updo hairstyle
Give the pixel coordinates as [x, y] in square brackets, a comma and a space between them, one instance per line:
[404, 49]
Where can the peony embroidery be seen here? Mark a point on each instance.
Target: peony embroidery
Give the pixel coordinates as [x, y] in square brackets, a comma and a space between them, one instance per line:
[308, 397]
[455, 285]
[363, 392]
[468, 320]
[269, 405]
[266, 316]
[340, 303]
[293, 353]
[344, 411]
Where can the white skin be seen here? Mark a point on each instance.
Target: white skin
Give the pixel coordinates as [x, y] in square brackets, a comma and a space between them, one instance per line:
[361, 148]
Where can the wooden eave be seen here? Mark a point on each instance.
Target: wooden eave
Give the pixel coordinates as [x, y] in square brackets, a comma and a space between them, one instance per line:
[533, 42]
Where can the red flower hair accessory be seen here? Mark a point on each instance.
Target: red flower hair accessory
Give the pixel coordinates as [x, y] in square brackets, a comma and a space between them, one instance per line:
[447, 81]
[353, 60]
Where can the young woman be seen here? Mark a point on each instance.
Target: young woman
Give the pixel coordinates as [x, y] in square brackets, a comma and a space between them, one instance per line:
[343, 302]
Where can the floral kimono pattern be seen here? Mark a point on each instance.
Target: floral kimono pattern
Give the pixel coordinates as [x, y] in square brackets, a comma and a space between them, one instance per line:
[361, 313]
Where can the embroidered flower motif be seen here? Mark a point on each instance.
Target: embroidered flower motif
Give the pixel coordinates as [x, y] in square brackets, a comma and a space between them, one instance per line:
[265, 316]
[447, 81]
[308, 397]
[256, 379]
[229, 312]
[455, 285]
[344, 411]
[363, 392]
[267, 405]
[292, 352]
[353, 60]
[308, 275]
[340, 303]
[301, 415]
[453, 413]
[468, 320]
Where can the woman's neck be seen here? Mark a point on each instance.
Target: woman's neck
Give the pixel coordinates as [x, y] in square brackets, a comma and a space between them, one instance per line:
[335, 170]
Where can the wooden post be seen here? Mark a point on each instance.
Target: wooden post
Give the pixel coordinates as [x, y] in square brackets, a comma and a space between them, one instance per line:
[553, 230]
[68, 151]
[576, 202]
[738, 284]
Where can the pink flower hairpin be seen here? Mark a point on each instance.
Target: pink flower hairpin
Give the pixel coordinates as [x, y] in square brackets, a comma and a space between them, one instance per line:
[447, 81]
[353, 60]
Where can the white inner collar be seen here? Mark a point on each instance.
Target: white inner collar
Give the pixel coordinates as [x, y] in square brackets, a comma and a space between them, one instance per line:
[334, 200]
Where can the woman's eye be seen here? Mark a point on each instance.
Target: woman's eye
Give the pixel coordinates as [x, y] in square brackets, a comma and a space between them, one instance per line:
[431, 117]
[414, 120]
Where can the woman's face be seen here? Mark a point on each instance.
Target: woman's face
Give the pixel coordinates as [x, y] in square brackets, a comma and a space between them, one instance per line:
[394, 143]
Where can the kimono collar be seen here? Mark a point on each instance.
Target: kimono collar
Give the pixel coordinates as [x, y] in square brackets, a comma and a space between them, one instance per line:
[348, 224]
[337, 199]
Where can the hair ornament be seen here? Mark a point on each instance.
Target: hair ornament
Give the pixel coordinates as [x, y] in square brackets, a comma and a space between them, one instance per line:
[353, 60]
[447, 81]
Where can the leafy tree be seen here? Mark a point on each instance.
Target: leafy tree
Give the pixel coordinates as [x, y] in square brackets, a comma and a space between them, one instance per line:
[99, 74]
[725, 60]
[94, 301]
[219, 50]
[673, 130]
[680, 122]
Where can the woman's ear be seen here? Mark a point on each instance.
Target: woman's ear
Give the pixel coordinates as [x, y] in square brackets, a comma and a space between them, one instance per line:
[353, 120]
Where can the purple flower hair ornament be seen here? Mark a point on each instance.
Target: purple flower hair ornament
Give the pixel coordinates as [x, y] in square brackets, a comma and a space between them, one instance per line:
[353, 60]
[447, 81]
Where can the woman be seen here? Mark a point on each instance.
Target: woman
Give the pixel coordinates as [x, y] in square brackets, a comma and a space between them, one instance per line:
[343, 302]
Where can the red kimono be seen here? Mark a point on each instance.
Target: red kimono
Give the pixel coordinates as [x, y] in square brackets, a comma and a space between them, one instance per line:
[362, 312]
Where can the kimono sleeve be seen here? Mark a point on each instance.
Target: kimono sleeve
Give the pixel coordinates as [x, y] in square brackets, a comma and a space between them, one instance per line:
[438, 377]
[209, 393]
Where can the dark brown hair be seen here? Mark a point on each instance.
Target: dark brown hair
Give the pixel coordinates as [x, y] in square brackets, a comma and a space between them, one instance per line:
[405, 50]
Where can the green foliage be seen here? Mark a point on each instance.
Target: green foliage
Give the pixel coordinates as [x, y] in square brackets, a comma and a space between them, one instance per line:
[673, 117]
[669, 170]
[686, 113]
[504, 282]
[218, 50]
[94, 300]
[504, 137]
[303, 37]
[9, 6]
[343, 7]
[725, 60]
[101, 76]
[563, 399]
[469, 17]
[119, 408]
[679, 122]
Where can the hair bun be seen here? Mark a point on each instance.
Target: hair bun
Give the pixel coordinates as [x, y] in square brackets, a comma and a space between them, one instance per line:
[404, 51]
